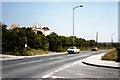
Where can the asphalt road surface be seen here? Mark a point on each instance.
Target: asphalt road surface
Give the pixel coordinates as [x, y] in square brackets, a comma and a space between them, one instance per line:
[60, 65]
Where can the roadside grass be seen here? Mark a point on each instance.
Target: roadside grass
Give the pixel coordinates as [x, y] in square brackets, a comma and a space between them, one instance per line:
[30, 52]
[89, 48]
[34, 52]
[84, 48]
[112, 55]
[110, 47]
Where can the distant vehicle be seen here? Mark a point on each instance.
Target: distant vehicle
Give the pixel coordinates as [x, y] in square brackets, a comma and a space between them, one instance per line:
[95, 49]
[73, 50]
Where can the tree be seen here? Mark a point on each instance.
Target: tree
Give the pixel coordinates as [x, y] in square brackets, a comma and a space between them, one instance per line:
[54, 42]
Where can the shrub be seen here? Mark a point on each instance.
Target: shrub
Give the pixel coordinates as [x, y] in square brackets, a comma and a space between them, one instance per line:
[112, 55]
[28, 48]
[17, 54]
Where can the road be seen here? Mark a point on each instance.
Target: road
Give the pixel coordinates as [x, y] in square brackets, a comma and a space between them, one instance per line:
[55, 65]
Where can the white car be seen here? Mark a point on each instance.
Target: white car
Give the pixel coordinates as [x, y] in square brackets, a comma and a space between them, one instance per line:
[73, 50]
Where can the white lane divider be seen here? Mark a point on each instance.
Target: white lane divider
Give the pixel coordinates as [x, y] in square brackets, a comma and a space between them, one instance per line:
[56, 77]
[40, 60]
[30, 62]
[66, 66]
[50, 74]
[55, 57]
[70, 55]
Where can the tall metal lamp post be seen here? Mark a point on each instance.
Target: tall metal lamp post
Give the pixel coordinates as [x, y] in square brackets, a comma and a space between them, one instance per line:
[73, 21]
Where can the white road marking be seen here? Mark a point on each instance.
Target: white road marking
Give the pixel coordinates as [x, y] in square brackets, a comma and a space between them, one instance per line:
[66, 66]
[70, 55]
[56, 77]
[78, 74]
[55, 57]
[30, 62]
[39, 60]
[50, 74]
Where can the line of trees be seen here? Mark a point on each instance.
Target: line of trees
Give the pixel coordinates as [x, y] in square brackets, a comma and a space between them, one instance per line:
[13, 41]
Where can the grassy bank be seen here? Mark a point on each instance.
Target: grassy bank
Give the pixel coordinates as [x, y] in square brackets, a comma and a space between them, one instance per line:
[31, 52]
[112, 55]
[110, 47]
[34, 52]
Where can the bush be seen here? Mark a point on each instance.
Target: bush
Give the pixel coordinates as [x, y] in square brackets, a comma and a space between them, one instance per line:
[28, 48]
[112, 55]
[24, 53]
[17, 54]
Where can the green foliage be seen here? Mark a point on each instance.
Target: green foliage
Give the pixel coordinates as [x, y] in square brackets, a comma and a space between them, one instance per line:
[54, 42]
[17, 54]
[28, 48]
[13, 42]
[33, 52]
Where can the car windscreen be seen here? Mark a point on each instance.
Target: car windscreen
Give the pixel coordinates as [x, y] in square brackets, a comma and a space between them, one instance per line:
[72, 48]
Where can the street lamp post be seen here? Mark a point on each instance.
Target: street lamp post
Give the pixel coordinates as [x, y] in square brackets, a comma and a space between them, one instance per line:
[73, 21]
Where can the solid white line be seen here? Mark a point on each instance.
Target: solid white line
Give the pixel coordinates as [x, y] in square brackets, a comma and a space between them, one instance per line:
[30, 62]
[40, 60]
[55, 57]
[49, 75]
[56, 77]
[66, 66]
[70, 55]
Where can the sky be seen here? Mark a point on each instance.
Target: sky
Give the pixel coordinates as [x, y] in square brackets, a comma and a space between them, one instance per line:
[101, 17]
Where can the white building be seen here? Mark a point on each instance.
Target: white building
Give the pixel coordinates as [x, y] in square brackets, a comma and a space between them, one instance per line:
[37, 27]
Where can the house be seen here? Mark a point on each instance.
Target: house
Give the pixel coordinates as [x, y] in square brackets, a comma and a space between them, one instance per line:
[14, 26]
[37, 27]
[46, 31]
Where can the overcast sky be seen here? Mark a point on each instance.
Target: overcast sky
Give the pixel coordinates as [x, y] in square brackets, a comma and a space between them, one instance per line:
[101, 17]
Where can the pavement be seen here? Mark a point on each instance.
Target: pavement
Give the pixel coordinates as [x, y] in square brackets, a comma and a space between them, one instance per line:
[12, 57]
[95, 60]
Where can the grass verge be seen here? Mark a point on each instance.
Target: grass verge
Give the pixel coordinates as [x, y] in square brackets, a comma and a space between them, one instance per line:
[31, 52]
[34, 52]
[112, 55]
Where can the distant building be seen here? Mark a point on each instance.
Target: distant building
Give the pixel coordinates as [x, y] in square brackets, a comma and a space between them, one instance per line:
[37, 27]
[14, 26]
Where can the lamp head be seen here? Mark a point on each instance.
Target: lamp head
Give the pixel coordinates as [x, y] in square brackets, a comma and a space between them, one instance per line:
[81, 5]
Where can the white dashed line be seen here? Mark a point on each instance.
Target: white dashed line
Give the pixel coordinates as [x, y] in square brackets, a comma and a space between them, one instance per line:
[66, 66]
[49, 75]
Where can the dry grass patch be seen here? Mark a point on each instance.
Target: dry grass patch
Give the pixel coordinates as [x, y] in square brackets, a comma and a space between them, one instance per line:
[34, 52]
[112, 55]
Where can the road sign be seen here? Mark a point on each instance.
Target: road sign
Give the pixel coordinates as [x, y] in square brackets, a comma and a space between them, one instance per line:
[25, 45]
